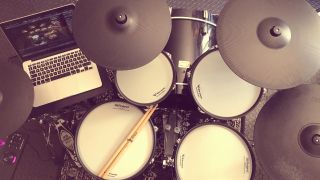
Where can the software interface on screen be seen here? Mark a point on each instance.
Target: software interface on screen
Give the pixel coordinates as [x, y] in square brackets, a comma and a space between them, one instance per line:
[42, 33]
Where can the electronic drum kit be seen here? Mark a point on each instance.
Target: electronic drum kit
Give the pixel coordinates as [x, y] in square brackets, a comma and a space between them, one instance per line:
[261, 44]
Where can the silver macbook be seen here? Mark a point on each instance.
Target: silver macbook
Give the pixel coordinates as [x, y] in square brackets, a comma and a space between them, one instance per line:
[50, 56]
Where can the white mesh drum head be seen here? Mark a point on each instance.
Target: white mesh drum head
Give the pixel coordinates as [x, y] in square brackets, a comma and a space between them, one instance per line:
[147, 84]
[103, 130]
[211, 152]
[220, 92]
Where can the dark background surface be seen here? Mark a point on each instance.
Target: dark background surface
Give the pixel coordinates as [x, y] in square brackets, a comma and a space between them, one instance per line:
[17, 8]
[36, 163]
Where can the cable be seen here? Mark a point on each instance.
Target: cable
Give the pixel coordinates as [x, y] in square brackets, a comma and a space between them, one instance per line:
[193, 19]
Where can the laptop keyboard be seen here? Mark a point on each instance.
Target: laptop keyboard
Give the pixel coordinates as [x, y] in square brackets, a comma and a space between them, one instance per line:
[58, 67]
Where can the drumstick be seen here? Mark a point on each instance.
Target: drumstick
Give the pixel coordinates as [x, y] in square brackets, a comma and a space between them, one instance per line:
[129, 139]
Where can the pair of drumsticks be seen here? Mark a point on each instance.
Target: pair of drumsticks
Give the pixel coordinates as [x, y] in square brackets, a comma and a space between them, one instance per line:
[129, 139]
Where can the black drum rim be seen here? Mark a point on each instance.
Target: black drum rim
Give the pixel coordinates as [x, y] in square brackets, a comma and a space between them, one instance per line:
[174, 79]
[193, 67]
[245, 140]
[82, 120]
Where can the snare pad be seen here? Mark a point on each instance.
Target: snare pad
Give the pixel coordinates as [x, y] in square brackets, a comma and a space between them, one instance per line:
[213, 151]
[218, 91]
[102, 131]
[148, 84]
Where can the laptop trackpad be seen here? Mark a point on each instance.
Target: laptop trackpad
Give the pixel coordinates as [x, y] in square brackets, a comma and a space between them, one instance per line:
[66, 87]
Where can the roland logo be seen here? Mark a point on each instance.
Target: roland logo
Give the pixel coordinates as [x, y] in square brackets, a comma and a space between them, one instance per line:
[122, 106]
[246, 165]
[198, 90]
[112, 174]
[157, 94]
[181, 160]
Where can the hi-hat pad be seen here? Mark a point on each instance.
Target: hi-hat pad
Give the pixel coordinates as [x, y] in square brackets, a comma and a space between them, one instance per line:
[270, 43]
[287, 134]
[16, 98]
[121, 34]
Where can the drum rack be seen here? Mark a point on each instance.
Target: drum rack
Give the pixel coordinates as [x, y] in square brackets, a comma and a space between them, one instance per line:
[160, 166]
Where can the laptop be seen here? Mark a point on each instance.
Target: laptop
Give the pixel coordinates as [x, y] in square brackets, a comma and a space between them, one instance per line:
[57, 67]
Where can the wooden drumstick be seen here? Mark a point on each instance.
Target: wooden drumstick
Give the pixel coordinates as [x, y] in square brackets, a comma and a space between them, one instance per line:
[129, 139]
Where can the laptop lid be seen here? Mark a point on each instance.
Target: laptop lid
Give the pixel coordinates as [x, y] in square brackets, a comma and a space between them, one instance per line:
[41, 34]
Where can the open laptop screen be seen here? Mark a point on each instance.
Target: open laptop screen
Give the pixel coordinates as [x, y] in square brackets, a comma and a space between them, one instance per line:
[42, 33]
